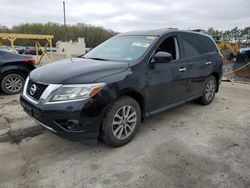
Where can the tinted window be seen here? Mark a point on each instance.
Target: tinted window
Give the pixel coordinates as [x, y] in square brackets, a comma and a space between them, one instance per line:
[190, 47]
[196, 44]
[207, 44]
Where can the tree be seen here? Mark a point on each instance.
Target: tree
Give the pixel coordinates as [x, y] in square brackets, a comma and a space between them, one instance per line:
[93, 35]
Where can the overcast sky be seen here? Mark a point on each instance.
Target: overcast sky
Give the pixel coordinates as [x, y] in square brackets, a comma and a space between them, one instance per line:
[126, 15]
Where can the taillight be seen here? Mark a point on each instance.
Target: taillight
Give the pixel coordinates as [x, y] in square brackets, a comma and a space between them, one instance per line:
[32, 61]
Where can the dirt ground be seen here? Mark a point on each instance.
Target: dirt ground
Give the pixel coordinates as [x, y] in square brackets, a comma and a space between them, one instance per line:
[188, 146]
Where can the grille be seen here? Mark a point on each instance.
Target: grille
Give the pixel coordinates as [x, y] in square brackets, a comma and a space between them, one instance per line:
[40, 88]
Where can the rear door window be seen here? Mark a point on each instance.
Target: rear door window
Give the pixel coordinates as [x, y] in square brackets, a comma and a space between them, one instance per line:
[196, 44]
[190, 47]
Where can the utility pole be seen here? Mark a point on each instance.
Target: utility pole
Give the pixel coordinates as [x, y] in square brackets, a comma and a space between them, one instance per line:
[65, 27]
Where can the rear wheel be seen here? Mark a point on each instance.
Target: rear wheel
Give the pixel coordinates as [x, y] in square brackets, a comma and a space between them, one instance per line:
[209, 91]
[121, 122]
[12, 83]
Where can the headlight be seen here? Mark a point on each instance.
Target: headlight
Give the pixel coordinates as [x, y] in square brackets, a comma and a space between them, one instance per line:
[75, 92]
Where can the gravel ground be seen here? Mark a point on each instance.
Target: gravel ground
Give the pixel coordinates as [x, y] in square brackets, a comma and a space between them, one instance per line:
[188, 146]
[227, 67]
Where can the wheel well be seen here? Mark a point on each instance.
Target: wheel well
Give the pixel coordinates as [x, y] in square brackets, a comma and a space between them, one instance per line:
[23, 70]
[139, 98]
[136, 96]
[23, 74]
[216, 75]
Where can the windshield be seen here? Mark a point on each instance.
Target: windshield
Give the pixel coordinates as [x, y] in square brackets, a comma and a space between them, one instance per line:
[121, 48]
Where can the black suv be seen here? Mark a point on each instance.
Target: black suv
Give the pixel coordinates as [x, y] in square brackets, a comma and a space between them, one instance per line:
[113, 87]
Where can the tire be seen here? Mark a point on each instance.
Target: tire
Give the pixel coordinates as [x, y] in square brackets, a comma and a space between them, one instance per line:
[12, 83]
[117, 123]
[208, 91]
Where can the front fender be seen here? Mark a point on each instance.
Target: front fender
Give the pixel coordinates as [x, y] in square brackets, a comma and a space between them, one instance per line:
[124, 83]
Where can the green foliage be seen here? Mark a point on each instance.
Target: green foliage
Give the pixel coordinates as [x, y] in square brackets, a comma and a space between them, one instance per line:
[93, 35]
[235, 35]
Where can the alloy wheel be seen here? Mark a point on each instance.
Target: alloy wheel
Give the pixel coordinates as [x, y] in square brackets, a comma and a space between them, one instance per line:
[124, 122]
[13, 84]
[210, 90]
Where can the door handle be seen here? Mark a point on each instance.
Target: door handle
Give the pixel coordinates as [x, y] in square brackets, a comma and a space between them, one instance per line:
[182, 69]
[208, 62]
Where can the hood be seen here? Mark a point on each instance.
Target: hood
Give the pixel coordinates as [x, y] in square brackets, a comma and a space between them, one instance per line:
[76, 71]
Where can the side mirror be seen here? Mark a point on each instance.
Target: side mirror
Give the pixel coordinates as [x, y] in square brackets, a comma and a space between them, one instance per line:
[162, 57]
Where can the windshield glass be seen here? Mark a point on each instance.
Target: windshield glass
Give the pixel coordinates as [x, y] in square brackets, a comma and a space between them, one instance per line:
[121, 48]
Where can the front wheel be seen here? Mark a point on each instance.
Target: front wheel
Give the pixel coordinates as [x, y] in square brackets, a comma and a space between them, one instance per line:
[121, 122]
[12, 83]
[209, 91]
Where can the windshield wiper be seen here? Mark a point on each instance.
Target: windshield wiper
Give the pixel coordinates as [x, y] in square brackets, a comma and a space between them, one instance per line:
[96, 58]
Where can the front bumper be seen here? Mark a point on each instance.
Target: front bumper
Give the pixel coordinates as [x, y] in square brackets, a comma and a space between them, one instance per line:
[89, 113]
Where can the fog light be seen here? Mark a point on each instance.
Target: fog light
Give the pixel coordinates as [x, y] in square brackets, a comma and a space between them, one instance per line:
[72, 124]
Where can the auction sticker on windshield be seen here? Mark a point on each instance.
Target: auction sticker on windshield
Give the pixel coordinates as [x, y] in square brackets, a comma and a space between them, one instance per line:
[141, 44]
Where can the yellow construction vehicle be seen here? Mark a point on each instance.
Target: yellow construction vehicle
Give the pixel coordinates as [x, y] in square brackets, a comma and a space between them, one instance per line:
[229, 50]
[232, 54]
[224, 45]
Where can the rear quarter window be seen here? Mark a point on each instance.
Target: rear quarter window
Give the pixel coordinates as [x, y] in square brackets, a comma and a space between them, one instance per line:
[197, 44]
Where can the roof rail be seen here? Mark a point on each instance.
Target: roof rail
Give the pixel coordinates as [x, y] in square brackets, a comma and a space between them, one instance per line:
[198, 30]
[172, 28]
